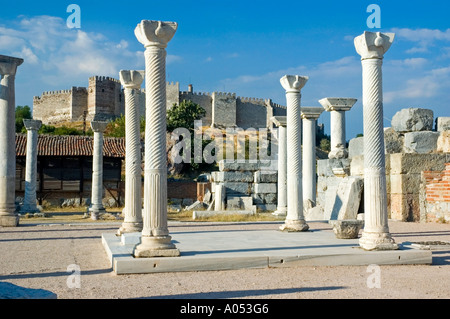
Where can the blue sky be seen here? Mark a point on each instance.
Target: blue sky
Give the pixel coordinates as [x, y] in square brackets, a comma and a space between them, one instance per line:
[243, 47]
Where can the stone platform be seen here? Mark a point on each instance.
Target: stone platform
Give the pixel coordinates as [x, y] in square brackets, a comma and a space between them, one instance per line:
[237, 249]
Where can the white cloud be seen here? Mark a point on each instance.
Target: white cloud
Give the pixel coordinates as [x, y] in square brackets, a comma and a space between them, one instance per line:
[424, 38]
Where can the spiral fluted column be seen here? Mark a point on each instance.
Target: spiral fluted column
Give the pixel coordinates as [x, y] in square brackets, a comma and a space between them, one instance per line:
[295, 220]
[372, 46]
[155, 240]
[29, 200]
[131, 82]
[8, 69]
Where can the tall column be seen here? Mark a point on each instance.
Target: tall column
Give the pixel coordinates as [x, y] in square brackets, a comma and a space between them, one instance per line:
[29, 201]
[280, 122]
[8, 68]
[371, 47]
[96, 207]
[295, 220]
[309, 117]
[155, 240]
[131, 82]
[337, 108]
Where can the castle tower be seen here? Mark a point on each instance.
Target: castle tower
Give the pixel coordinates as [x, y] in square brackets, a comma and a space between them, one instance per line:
[105, 98]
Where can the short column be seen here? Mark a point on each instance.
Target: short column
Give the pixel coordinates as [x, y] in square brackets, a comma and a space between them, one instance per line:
[309, 117]
[155, 240]
[337, 108]
[96, 207]
[375, 236]
[131, 82]
[29, 201]
[280, 122]
[8, 68]
[295, 220]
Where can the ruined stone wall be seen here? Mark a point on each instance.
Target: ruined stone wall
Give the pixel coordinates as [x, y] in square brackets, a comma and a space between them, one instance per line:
[105, 98]
[251, 112]
[79, 103]
[53, 107]
[172, 94]
[223, 109]
[436, 200]
[202, 99]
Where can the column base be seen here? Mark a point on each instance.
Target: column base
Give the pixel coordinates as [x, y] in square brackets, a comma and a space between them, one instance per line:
[156, 246]
[128, 227]
[9, 220]
[29, 209]
[96, 212]
[281, 211]
[292, 225]
[377, 241]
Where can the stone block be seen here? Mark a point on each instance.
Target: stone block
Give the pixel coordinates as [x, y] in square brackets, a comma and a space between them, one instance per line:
[225, 165]
[232, 176]
[197, 206]
[416, 163]
[443, 142]
[323, 168]
[413, 120]
[266, 207]
[266, 177]
[405, 183]
[356, 147]
[443, 124]
[357, 166]
[393, 141]
[421, 142]
[239, 203]
[241, 188]
[405, 207]
[343, 200]
[264, 188]
[340, 166]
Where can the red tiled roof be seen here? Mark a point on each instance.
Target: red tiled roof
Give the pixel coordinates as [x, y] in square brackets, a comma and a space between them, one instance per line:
[71, 145]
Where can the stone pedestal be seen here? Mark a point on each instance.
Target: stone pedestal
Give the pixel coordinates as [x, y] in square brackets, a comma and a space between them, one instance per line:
[309, 118]
[8, 68]
[371, 47]
[295, 220]
[131, 82]
[155, 241]
[280, 122]
[337, 108]
[29, 200]
[96, 207]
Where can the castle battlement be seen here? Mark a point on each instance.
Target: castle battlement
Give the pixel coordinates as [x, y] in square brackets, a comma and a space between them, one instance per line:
[252, 100]
[225, 95]
[195, 93]
[101, 78]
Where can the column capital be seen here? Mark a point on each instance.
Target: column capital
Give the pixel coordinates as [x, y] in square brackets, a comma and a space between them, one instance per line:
[293, 83]
[32, 124]
[373, 45]
[131, 79]
[155, 33]
[9, 64]
[337, 103]
[279, 120]
[98, 126]
[311, 112]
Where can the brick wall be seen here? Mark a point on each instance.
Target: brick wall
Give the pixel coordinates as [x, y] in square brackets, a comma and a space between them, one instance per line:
[437, 194]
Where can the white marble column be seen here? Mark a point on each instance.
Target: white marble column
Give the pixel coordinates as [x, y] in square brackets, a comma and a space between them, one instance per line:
[29, 200]
[8, 68]
[96, 207]
[309, 117]
[372, 47]
[155, 240]
[131, 82]
[280, 122]
[295, 220]
[337, 108]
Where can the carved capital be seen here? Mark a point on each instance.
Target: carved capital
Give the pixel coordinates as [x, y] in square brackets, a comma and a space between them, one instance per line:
[279, 120]
[98, 126]
[131, 79]
[8, 65]
[293, 83]
[155, 33]
[373, 45]
[337, 103]
[311, 112]
[32, 124]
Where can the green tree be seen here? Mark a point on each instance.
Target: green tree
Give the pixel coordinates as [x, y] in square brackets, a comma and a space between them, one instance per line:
[325, 145]
[184, 115]
[116, 127]
[22, 112]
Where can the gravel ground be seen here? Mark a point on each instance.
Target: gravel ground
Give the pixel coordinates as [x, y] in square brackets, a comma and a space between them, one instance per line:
[38, 256]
